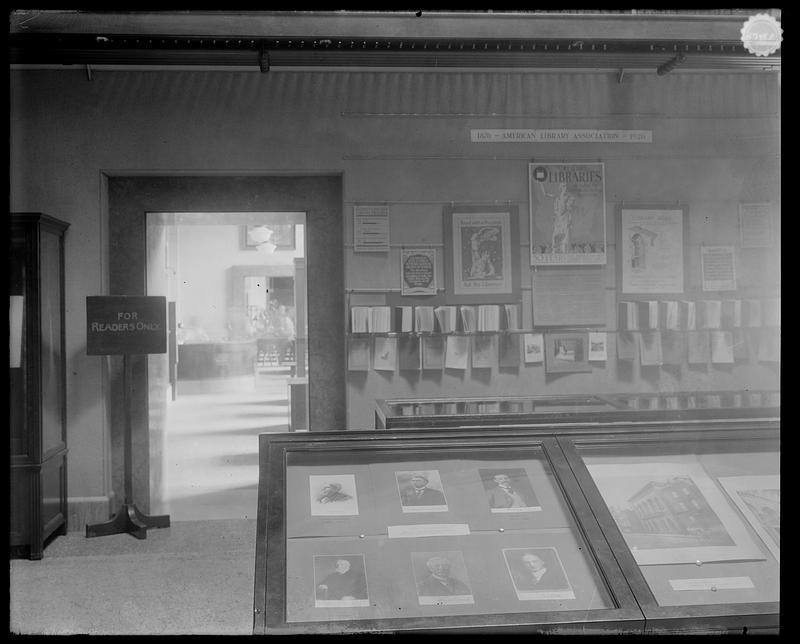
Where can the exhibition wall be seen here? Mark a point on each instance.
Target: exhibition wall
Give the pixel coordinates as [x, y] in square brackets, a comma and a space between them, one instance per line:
[402, 140]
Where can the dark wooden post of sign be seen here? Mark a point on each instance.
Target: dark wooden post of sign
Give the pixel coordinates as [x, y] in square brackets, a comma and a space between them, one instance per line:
[126, 325]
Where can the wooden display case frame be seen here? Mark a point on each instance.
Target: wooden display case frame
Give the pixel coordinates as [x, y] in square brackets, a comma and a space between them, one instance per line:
[270, 601]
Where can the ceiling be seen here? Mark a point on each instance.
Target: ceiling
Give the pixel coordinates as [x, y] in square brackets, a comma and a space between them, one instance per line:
[440, 40]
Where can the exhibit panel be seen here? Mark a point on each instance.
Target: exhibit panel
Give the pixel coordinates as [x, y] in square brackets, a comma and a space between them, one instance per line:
[694, 518]
[372, 532]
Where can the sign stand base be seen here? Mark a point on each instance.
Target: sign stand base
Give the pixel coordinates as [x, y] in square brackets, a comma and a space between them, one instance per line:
[130, 520]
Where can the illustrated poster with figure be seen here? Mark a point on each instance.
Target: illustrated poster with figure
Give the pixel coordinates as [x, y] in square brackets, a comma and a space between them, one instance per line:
[651, 250]
[482, 247]
[567, 213]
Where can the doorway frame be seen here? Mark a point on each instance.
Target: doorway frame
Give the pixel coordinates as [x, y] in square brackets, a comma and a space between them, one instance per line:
[128, 199]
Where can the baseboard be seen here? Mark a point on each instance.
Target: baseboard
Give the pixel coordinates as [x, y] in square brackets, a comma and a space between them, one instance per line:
[83, 510]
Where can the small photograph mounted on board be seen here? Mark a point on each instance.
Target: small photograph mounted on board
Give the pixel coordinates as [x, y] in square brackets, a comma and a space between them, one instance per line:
[509, 490]
[333, 495]
[340, 581]
[566, 352]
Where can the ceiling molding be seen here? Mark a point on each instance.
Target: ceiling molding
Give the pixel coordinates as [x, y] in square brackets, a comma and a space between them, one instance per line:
[301, 40]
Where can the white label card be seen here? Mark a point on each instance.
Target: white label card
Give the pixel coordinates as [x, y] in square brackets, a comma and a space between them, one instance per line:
[427, 530]
[712, 583]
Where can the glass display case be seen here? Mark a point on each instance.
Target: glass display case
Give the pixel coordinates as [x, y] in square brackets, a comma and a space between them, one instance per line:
[578, 408]
[638, 528]
[366, 532]
[694, 519]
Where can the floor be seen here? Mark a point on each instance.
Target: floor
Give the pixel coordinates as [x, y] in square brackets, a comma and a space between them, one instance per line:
[210, 466]
[195, 577]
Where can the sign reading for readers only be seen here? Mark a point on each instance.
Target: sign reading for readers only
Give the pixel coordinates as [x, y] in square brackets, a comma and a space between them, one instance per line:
[125, 324]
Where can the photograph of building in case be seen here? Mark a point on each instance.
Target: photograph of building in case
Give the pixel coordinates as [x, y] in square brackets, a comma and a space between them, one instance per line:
[421, 491]
[759, 499]
[340, 581]
[509, 490]
[537, 573]
[672, 513]
[333, 495]
[441, 578]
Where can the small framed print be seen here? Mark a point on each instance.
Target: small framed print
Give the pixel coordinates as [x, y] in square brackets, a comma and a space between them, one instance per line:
[567, 352]
[441, 578]
[481, 253]
[418, 271]
[333, 495]
[533, 346]
[421, 491]
[509, 490]
[340, 581]
[282, 236]
[537, 573]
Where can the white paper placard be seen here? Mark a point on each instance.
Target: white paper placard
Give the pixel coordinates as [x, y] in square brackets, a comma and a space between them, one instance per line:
[427, 530]
[533, 346]
[371, 229]
[755, 225]
[718, 268]
[560, 136]
[598, 346]
[712, 583]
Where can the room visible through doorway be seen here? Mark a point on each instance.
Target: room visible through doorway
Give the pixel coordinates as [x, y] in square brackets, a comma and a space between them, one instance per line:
[235, 287]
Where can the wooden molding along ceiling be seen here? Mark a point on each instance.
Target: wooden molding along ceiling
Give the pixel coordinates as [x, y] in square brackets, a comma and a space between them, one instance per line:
[269, 40]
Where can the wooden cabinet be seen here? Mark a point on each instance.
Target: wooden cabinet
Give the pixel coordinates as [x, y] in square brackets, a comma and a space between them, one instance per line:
[37, 374]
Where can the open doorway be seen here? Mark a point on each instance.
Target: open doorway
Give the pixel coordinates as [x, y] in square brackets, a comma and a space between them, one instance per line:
[237, 360]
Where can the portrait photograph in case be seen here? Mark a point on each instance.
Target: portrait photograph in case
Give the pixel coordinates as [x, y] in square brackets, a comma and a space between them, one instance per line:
[340, 581]
[421, 491]
[537, 573]
[441, 578]
[333, 495]
[509, 490]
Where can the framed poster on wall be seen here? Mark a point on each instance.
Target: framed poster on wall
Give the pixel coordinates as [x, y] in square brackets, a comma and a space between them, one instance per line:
[651, 242]
[279, 235]
[481, 252]
[567, 213]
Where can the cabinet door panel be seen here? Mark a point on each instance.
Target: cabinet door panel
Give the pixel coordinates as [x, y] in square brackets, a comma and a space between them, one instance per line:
[51, 356]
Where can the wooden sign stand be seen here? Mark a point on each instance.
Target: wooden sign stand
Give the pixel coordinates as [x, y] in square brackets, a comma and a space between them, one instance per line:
[128, 519]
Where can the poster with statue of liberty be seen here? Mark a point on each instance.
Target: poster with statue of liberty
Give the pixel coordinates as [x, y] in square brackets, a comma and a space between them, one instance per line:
[567, 213]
